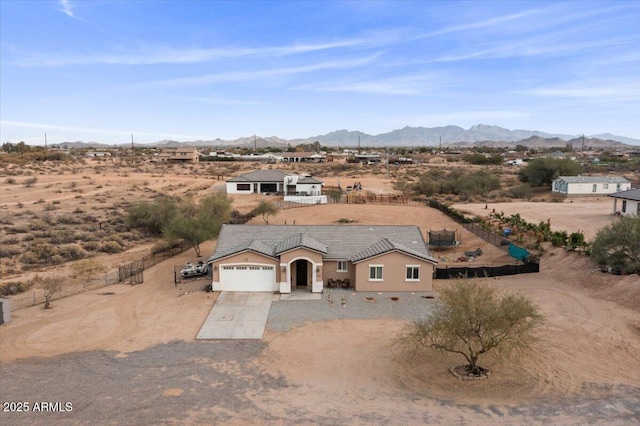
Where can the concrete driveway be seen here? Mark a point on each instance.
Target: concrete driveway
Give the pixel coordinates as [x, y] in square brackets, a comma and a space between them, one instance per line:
[237, 315]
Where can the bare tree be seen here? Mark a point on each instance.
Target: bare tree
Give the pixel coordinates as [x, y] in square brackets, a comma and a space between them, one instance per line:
[50, 285]
[88, 269]
[472, 320]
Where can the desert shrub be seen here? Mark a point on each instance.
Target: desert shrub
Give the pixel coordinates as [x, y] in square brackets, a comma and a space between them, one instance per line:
[8, 252]
[10, 181]
[56, 259]
[111, 247]
[72, 252]
[29, 182]
[521, 191]
[29, 258]
[91, 245]
[62, 237]
[69, 219]
[559, 238]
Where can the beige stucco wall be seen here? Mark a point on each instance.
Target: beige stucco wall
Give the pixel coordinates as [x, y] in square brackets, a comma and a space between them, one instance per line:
[246, 257]
[394, 274]
[330, 271]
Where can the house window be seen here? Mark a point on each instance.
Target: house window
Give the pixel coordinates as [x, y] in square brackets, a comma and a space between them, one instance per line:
[555, 185]
[375, 272]
[342, 266]
[413, 273]
[595, 187]
[243, 187]
[605, 186]
[624, 206]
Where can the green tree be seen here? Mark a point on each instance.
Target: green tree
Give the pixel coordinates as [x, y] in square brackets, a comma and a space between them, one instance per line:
[472, 319]
[88, 270]
[197, 222]
[152, 217]
[618, 245]
[266, 209]
[542, 171]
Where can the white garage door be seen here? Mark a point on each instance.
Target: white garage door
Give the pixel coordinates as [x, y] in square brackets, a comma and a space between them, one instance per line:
[247, 278]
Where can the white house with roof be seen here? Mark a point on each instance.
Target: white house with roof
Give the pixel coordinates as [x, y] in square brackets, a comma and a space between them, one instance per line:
[628, 202]
[281, 258]
[589, 185]
[295, 188]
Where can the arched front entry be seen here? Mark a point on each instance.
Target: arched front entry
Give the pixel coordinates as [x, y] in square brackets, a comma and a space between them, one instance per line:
[301, 273]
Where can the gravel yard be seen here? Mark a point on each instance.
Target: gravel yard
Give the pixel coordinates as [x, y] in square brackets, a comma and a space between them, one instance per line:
[288, 314]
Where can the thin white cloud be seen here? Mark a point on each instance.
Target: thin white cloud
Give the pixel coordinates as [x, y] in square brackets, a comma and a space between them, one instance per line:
[153, 55]
[412, 85]
[260, 75]
[597, 91]
[67, 8]
[225, 101]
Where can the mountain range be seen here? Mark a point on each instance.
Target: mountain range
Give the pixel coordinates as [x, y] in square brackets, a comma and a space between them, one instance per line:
[478, 135]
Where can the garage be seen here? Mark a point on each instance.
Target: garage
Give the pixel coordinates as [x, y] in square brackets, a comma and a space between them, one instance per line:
[247, 278]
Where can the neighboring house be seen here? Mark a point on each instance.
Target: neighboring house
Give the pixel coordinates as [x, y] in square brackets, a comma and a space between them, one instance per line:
[589, 185]
[97, 154]
[280, 258]
[295, 188]
[301, 157]
[181, 154]
[629, 202]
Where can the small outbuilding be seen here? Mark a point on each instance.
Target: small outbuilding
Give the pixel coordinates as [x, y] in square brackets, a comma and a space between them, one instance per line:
[5, 311]
[629, 202]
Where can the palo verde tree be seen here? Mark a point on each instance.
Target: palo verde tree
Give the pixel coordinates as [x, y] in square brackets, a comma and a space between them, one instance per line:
[471, 320]
[618, 245]
[195, 222]
[266, 209]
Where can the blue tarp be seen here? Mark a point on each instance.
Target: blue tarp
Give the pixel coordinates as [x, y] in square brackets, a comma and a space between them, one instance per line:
[518, 252]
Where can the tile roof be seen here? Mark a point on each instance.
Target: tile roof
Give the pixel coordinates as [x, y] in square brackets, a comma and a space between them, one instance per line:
[300, 240]
[593, 179]
[631, 194]
[269, 175]
[381, 247]
[336, 242]
[251, 245]
[309, 179]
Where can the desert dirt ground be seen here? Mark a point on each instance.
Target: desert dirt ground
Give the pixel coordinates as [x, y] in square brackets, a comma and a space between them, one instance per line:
[585, 215]
[126, 354]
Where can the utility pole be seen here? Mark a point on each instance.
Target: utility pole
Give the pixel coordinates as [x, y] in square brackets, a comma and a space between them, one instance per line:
[132, 151]
[582, 144]
[255, 143]
[358, 144]
[440, 153]
[45, 147]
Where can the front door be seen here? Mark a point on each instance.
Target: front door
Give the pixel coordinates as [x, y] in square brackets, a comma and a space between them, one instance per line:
[301, 273]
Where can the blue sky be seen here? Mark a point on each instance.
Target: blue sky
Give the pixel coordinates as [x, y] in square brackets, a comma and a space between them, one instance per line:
[187, 70]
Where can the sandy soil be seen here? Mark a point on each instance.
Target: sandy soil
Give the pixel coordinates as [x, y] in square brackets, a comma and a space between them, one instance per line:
[581, 214]
[590, 342]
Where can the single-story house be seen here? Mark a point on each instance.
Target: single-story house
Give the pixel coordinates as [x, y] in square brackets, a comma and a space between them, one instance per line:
[280, 258]
[589, 185]
[294, 187]
[97, 154]
[301, 157]
[630, 202]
